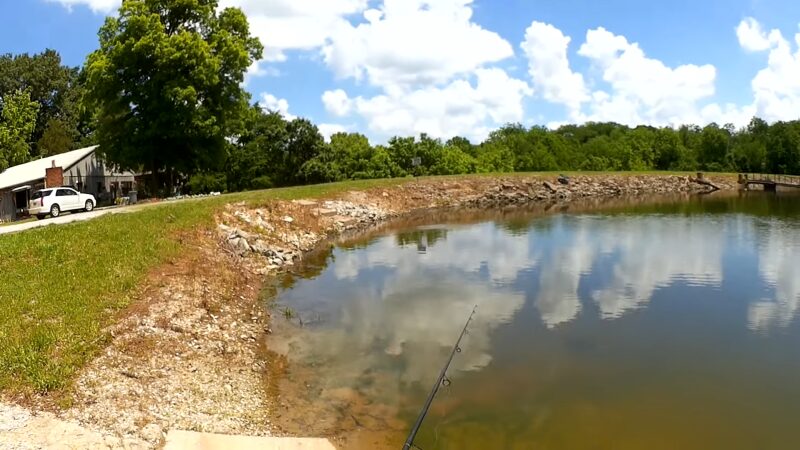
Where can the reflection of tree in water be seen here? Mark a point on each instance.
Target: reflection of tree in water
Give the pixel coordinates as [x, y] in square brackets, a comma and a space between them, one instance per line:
[421, 238]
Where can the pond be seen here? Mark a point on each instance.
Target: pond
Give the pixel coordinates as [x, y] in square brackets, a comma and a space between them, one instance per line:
[660, 325]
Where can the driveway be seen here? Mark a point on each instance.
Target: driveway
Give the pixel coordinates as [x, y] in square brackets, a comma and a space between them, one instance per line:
[70, 217]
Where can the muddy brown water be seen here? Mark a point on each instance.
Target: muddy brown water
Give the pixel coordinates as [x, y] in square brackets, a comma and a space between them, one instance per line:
[662, 324]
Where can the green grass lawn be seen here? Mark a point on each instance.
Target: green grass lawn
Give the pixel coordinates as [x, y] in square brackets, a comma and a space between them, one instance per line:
[61, 285]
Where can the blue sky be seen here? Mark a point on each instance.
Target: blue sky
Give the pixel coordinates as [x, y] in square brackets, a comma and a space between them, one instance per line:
[447, 67]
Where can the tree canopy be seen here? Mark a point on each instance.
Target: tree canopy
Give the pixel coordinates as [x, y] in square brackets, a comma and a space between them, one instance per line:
[17, 122]
[165, 84]
[57, 90]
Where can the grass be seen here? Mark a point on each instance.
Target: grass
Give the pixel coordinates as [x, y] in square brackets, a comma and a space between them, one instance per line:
[60, 286]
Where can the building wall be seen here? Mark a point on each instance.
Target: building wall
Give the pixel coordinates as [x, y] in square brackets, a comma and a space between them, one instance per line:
[7, 212]
[92, 176]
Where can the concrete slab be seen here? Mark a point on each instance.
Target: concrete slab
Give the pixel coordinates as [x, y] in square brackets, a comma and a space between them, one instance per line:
[326, 212]
[190, 440]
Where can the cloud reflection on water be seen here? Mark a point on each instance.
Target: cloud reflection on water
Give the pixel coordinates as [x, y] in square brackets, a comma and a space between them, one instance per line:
[413, 304]
[779, 266]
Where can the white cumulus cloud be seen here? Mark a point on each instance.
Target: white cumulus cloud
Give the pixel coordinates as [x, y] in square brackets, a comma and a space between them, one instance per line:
[337, 102]
[628, 86]
[280, 105]
[753, 38]
[432, 64]
[459, 108]
[329, 129]
[295, 24]
[97, 6]
[546, 49]
[776, 88]
[414, 42]
[644, 89]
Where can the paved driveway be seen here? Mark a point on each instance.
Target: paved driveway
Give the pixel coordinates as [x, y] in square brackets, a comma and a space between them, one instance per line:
[69, 218]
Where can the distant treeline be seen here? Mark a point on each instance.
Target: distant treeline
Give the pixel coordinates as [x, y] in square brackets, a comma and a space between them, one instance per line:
[275, 152]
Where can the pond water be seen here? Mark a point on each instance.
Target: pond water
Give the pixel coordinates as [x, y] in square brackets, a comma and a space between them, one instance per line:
[665, 325]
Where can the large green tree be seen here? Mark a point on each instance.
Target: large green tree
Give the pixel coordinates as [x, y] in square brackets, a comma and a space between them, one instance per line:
[17, 122]
[166, 84]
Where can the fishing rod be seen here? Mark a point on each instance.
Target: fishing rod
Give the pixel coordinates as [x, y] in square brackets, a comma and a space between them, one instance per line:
[442, 380]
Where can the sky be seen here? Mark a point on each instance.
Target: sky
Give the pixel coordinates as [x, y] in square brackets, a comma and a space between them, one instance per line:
[467, 67]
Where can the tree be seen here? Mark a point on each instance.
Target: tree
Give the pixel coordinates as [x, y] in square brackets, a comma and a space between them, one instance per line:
[462, 144]
[713, 147]
[452, 161]
[783, 148]
[346, 157]
[57, 138]
[17, 122]
[304, 143]
[166, 84]
[667, 149]
[56, 88]
[255, 161]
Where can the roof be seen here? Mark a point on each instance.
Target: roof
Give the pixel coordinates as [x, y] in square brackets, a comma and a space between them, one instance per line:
[35, 170]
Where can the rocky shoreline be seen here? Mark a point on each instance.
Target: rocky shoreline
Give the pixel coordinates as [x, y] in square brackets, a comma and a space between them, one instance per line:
[189, 353]
[276, 237]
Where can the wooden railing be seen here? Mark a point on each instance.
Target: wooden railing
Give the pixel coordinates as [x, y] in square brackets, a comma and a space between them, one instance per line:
[793, 180]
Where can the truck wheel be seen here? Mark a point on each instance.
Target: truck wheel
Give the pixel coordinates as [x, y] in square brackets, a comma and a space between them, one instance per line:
[55, 211]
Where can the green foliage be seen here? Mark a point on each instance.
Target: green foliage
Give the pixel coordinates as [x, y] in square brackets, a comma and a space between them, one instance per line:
[783, 148]
[165, 84]
[56, 88]
[204, 183]
[17, 122]
[452, 161]
[57, 138]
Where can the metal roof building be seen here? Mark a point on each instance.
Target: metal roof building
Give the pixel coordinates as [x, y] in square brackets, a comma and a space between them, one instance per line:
[83, 169]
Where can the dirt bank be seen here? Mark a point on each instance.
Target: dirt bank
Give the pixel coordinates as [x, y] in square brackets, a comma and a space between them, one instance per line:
[189, 353]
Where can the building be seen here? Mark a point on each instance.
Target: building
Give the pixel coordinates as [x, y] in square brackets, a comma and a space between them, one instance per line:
[82, 169]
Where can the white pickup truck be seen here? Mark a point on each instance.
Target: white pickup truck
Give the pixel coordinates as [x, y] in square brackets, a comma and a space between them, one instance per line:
[54, 201]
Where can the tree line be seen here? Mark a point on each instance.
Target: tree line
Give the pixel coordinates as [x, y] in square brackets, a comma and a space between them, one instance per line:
[163, 95]
[273, 151]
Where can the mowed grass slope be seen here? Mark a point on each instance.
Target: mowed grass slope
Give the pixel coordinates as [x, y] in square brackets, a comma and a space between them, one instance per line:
[60, 286]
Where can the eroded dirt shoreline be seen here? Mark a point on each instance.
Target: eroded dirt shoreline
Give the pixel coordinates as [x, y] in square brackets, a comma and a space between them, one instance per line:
[188, 354]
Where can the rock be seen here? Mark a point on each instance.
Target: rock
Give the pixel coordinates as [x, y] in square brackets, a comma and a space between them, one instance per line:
[240, 245]
[550, 187]
[305, 202]
[325, 212]
[243, 217]
[152, 433]
[345, 221]
[288, 219]
[260, 247]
